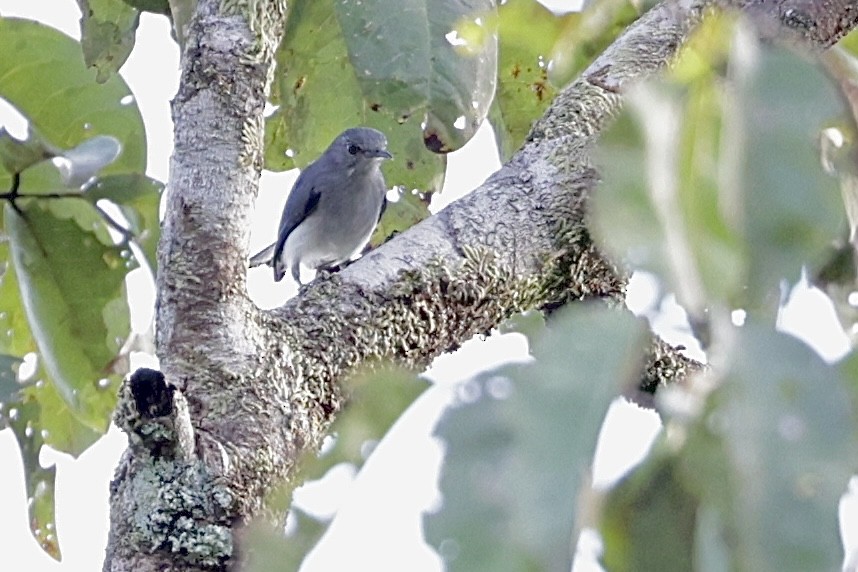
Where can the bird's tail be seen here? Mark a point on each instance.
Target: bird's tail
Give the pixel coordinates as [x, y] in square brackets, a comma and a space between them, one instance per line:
[264, 256]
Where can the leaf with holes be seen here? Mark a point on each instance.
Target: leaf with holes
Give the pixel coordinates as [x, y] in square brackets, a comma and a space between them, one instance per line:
[40, 481]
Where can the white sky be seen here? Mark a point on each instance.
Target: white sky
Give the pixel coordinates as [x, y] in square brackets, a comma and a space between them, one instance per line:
[394, 493]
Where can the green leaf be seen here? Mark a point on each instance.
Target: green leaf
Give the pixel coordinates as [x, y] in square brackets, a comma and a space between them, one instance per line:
[181, 12]
[154, 6]
[378, 398]
[62, 295]
[519, 446]
[52, 418]
[319, 95]
[649, 520]
[400, 216]
[527, 32]
[794, 209]
[850, 42]
[269, 550]
[15, 336]
[786, 433]
[108, 28]
[9, 386]
[40, 481]
[75, 311]
[433, 60]
[139, 199]
[531, 36]
[58, 425]
[43, 75]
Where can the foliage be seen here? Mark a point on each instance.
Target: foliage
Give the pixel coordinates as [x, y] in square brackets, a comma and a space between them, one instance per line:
[714, 184]
[63, 302]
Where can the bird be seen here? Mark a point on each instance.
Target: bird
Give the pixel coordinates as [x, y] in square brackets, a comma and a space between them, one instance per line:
[333, 208]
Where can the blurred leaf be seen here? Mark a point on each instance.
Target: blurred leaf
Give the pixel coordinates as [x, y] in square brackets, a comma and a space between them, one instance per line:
[531, 324]
[319, 96]
[838, 275]
[753, 480]
[40, 481]
[107, 30]
[733, 199]
[139, 199]
[649, 520]
[43, 76]
[77, 312]
[586, 35]
[378, 398]
[793, 207]
[15, 155]
[677, 220]
[788, 447]
[270, 549]
[521, 442]
[849, 372]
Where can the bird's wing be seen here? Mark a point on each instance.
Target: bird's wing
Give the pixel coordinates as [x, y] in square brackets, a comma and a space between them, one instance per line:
[301, 202]
[382, 209]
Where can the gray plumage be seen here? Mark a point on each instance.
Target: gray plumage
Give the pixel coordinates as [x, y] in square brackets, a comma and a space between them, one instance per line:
[333, 208]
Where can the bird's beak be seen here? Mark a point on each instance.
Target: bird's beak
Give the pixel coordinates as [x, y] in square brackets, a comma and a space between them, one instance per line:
[380, 153]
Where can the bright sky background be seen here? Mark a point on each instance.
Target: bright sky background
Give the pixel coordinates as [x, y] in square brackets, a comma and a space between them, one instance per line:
[392, 492]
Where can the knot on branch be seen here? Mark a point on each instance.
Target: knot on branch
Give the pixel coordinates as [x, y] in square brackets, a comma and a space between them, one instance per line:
[155, 416]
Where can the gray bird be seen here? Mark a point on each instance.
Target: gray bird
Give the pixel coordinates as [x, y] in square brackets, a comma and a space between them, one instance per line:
[333, 208]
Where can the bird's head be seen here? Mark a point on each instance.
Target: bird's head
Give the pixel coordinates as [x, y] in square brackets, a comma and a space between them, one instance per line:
[359, 147]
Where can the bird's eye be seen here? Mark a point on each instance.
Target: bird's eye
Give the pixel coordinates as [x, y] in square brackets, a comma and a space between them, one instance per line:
[353, 149]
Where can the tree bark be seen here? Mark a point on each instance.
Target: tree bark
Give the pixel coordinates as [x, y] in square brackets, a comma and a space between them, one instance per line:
[244, 391]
